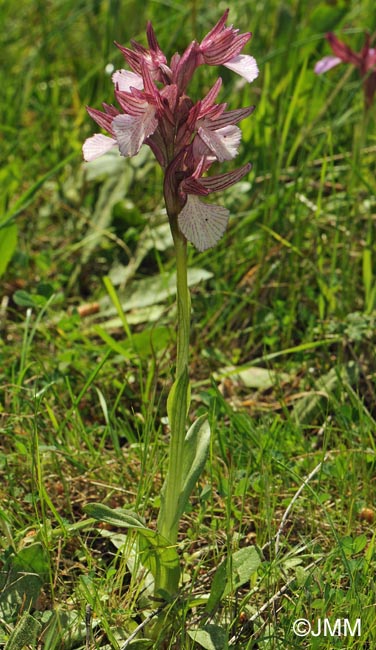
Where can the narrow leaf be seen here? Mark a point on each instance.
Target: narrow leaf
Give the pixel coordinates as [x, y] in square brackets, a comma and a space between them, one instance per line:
[176, 397]
[196, 449]
[8, 243]
[114, 516]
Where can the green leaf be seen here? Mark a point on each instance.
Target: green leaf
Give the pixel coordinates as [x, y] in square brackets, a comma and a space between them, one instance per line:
[152, 290]
[8, 243]
[218, 587]
[196, 449]
[24, 634]
[232, 573]
[114, 516]
[141, 345]
[156, 553]
[210, 637]
[244, 563]
[21, 579]
[178, 395]
[25, 299]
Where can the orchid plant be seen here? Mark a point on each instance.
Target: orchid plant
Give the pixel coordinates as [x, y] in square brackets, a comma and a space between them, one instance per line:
[186, 138]
[365, 61]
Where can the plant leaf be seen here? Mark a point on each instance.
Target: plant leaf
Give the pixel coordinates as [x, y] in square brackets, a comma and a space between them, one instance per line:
[114, 516]
[244, 563]
[156, 553]
[24, 634]
[232, 573]
[210, 637]
[196, 449]
[218, 587]
[8, 243]
[21, 580]
[178, 394]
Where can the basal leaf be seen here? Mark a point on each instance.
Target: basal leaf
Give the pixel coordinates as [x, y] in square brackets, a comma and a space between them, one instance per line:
[156, 553]
[114, 516]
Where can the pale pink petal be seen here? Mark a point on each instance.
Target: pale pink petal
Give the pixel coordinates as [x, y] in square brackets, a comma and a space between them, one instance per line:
[131, 131]
[202, 224]
[126, 80]
[244, 65]
[327, 63]
[200, 149]
[224, 142]
[96, 146]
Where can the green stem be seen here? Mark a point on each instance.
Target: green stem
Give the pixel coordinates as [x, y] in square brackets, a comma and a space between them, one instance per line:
[183, 304]
[168, 520]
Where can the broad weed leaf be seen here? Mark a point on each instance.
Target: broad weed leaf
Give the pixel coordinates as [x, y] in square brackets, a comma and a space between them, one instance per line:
[210, 637]
[232, 574]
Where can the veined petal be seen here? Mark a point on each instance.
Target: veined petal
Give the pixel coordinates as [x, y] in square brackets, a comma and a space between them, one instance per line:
[202, 224]
[217, 29]
[211, 96]
[131, 131]
[102, 119]
[223, 142]
[228, 45]
[230, 117]
[200, 150]
[327, 63]
[222, 181]
[96, 146]
[244, 65]
[125, 80]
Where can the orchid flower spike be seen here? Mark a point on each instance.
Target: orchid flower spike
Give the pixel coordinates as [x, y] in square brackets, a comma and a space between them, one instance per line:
[186, 137]
[365, 61]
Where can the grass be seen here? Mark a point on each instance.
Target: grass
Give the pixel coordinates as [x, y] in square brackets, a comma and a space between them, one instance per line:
[282, 344]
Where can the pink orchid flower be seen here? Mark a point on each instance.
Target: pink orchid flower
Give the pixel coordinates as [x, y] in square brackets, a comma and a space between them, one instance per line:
[365, 61]
[186, 137]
